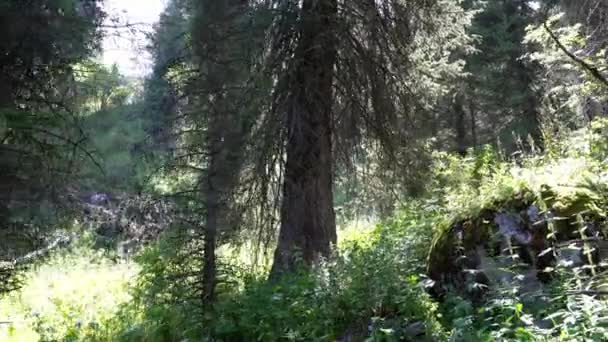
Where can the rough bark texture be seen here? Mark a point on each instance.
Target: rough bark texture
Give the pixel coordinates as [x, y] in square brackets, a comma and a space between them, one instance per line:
[308, 227]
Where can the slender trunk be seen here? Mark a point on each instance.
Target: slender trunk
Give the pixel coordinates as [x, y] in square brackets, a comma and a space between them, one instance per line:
[6, 98]
[103, 101]
[308, 227]
[461, 133]
[537, 132]
[211, 228]
[212, 194]
[211, 50]
[225, 143]
[531, 112]
[225, 131]
[7, 182]
[473, 117]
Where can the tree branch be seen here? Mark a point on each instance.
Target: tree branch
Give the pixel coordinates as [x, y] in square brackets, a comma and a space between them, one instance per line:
[592, 69]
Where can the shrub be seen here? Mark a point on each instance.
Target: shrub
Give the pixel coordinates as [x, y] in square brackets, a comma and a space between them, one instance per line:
[69, 297]
[370, 288]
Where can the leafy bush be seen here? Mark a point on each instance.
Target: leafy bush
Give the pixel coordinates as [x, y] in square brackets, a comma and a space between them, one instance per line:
[165, 304]
[371, 288]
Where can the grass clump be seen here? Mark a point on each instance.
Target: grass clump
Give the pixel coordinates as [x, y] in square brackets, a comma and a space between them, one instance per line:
[68, 297]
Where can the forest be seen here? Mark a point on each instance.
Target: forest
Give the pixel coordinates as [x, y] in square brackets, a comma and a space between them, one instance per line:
[306, 170]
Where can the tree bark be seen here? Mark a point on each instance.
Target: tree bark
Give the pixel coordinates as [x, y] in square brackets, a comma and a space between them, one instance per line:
[211, 228]
[308, 227]
[461, 131]
[473, 117]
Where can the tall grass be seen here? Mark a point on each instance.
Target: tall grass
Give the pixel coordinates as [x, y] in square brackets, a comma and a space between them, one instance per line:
[68, 297]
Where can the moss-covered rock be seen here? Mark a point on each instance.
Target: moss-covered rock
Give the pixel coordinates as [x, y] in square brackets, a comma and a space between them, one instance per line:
[519, 235]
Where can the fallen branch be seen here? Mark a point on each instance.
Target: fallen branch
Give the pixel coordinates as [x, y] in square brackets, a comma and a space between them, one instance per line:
[62, 241]
[589, 293]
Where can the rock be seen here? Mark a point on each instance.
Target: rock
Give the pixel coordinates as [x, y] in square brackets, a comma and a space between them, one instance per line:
[511, 226]
[415, 329]
[518, 243]
[571, 255]
[533, 214]
[99, 198]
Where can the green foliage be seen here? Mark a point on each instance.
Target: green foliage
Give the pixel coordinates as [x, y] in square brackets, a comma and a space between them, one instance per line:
[571, 94]
[69, 297]
[118, 138]
[560, 314]
[393, 76]
[599, 143]
[373, 283]
[165, 304]
[100, 88]
[566, 180]
[498, 87]
[40, 142]
[371, 289]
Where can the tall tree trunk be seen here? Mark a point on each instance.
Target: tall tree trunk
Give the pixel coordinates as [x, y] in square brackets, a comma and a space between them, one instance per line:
[530, 106]
[460, 125]
[212, 195]
[308, 227]
[225, 147]
[473, 117]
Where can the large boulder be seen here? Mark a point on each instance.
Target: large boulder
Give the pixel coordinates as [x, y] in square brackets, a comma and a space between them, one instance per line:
[523, 240]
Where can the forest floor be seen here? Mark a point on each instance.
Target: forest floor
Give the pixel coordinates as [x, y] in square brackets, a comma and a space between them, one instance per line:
[498, 250]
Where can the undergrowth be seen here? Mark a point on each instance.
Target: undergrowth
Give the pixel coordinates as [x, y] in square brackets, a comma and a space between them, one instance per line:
[373, 289]
[71, 296]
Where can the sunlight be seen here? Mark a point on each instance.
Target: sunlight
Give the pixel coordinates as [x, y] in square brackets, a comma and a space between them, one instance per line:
[127, 46]
[303, 170]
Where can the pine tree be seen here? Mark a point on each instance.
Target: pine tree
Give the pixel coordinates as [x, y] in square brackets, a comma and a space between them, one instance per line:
[307, 213]
[358, 59]
[499, 92]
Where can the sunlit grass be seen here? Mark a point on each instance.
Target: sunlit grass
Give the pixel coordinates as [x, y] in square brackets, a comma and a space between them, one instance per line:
[67, 297]
[356, 230]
